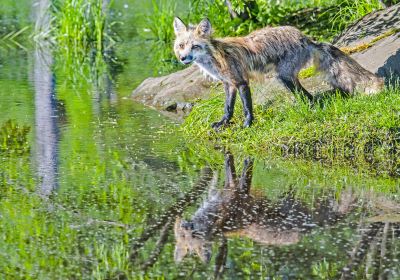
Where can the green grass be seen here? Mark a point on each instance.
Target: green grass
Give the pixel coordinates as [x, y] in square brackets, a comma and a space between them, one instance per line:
[357, 129]
[308, 72]
[350, 11]
[160, 25]
[79, 32]
[14, 16]
[80, 25]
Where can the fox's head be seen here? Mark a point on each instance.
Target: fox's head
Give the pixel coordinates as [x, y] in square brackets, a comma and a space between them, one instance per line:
[191, 41]
[188, 240]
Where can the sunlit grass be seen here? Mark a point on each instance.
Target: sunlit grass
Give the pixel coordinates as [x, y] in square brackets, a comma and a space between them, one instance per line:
[160, 24]
[360, 128]
[80, 26]
[79, 32]
[350, 11]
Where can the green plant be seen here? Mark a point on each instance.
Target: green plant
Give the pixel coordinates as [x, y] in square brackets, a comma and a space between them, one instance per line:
[14, 138]
[160, 25]
[350, 11]
[325, 270]
[79, 32]
[80, 26]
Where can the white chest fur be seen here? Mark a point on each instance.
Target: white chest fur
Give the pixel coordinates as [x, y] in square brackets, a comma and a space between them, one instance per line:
[208, 68]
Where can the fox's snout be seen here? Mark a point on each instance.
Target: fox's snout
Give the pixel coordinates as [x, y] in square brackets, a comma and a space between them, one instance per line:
[186, 59]
[187, 225]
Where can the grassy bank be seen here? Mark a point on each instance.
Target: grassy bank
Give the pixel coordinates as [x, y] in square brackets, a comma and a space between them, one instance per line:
[362, 129]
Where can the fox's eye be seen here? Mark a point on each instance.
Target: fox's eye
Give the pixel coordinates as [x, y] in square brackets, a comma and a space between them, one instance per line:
[181, 45]
[196, 47]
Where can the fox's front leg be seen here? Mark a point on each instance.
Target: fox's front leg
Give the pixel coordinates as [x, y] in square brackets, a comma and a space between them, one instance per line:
[230, 98]
[230, 172]
[247, 176]
[245, 95]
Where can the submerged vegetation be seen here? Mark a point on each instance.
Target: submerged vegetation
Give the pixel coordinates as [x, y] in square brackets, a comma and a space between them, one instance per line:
[14, 138]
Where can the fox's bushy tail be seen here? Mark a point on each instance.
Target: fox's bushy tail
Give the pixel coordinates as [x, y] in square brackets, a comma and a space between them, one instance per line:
[343, 72]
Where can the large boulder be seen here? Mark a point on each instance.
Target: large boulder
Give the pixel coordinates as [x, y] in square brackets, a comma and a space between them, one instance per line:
[173, 91]
[381, 29]
[374, 42]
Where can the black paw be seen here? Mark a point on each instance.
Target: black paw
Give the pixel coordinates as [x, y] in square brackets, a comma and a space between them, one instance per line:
[247, 123]
[313, 103]
[218, 125]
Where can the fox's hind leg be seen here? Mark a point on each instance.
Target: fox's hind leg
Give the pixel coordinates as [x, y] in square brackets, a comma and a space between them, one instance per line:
[230, 172]
[293, 84]
[288, 69]
[230, 98]
[245, 95]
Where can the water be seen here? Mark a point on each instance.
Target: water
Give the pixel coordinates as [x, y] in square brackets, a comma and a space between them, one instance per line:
[104, 188]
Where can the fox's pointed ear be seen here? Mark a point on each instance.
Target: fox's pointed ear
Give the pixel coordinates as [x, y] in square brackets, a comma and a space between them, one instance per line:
[204, 28]
[179, 26]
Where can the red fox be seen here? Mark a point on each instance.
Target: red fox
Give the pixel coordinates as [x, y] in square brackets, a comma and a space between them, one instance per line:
[285, 49]
[235, 211]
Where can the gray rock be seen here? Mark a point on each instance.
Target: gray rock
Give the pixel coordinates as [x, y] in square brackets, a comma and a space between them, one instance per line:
[383, 58]
[178, 91]
[369, 27]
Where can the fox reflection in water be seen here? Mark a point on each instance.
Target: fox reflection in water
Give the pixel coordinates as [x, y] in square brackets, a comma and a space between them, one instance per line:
[235, 211]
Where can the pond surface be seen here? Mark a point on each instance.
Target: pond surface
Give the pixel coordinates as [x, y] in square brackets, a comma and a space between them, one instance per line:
[95, 186]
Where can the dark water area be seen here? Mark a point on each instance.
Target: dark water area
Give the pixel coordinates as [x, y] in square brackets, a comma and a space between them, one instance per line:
[95, 186]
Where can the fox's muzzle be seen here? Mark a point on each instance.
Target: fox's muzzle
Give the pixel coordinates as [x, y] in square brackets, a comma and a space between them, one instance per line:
[187, 225]
[186, 59]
